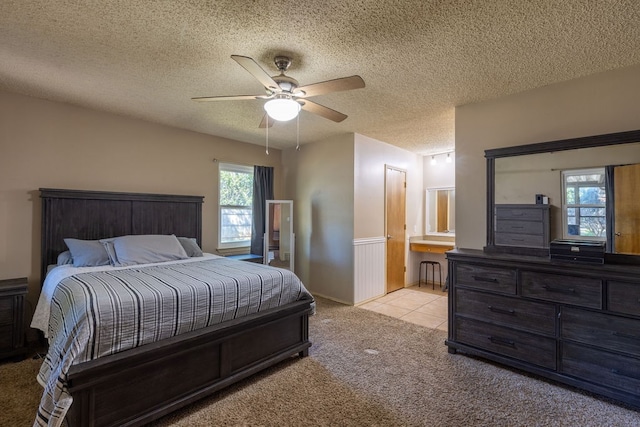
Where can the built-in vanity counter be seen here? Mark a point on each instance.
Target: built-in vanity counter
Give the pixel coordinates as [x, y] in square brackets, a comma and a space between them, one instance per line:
[430, 244]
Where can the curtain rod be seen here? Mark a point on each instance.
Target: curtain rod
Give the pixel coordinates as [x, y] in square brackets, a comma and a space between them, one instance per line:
[233, 162]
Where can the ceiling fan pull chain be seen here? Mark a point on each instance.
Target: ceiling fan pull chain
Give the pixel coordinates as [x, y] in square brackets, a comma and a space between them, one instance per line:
[298, 133]
[267, 128]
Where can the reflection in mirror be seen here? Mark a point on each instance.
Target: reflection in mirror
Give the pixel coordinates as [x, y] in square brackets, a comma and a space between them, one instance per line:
[626, 233]
[279, 239]
[441, 211]
[519, 179]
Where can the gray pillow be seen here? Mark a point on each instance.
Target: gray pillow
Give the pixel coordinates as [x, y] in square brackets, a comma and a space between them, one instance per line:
[87, 253]
[65, 258]
[149, 248]
[190, 246]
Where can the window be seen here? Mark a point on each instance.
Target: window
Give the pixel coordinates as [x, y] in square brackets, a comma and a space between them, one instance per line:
[584, 204]
[236, 196]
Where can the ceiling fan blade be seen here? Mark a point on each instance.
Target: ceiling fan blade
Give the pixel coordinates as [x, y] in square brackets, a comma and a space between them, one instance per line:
[323, 111]
[263, 122]
[344, 83]
[229, 98]
[256, 71]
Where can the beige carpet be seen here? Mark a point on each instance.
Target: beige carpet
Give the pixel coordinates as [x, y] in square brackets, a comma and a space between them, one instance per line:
[366, 369]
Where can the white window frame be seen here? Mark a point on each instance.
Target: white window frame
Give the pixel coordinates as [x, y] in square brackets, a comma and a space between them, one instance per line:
[230, 167]
[566, 206]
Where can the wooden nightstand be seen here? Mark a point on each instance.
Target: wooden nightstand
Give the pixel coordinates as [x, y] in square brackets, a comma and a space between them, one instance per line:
[12, 293]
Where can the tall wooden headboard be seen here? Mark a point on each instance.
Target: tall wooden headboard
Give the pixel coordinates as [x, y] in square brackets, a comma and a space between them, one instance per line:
[92, 215]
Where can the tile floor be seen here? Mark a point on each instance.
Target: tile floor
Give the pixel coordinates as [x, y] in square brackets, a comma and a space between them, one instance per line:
[420, 305]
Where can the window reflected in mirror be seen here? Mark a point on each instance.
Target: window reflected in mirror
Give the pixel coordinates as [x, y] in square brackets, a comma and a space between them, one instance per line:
[440, 209]
[584, 204]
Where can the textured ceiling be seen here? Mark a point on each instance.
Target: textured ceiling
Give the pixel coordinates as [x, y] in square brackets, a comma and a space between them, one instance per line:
[419, 58]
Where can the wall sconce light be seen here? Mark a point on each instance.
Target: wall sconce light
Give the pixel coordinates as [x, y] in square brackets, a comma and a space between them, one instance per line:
[449, 160]
[433, 160]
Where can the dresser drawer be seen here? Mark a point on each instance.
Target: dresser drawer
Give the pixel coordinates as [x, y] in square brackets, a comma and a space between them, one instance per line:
[509, 342]
[585, 292]
[489, 278]
[624, 297]
[601, 367]
[6, 311]
[512, 239]
[516, 313]
[520, 227]
[532, 213]
[601, 330]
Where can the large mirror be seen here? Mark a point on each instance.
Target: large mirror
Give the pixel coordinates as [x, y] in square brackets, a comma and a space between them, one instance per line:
[441, 211]
[516, 175]
[279, 239]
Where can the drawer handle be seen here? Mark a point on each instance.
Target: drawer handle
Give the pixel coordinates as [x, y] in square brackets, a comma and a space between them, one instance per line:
[503, 341]
[501, 310]
[485, 279]
[517, 226]
[623, 335]
[625, 374]
[559, 290]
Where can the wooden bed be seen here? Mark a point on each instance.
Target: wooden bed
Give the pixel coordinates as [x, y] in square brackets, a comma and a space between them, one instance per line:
[136, 386]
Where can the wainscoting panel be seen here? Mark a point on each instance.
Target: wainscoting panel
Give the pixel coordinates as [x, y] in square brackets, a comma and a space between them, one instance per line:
[369, 268]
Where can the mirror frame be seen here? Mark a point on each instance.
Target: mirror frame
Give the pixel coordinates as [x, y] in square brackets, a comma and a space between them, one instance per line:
[292, 236]
[548, 147]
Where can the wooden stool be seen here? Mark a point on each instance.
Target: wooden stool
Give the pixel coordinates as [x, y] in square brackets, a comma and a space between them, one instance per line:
[433, 273]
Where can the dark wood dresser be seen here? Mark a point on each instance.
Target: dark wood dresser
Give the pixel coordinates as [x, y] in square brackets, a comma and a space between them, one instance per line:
[522, 225]
[12, 293]
[578, 324]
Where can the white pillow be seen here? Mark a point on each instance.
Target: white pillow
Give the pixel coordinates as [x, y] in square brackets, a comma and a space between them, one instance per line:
[148, 248]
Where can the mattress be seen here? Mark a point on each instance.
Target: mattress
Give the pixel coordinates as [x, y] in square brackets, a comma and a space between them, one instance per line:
[97, 311]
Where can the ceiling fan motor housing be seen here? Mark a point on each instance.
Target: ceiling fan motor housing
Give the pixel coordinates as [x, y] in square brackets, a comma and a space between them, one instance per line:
[286, 83]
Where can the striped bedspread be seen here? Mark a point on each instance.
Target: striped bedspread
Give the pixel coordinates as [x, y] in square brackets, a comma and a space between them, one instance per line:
[98, 313]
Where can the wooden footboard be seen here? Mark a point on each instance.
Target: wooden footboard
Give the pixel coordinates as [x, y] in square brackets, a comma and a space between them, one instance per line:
[139, 385]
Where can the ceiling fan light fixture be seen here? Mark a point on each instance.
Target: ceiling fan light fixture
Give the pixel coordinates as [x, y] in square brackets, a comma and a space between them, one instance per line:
[282, 108]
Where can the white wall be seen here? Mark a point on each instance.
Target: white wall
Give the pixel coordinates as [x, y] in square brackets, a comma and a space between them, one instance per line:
[46, 144]
[440, 175]
[371, 157]
[338, 189]
[319, 179]
[598, 104]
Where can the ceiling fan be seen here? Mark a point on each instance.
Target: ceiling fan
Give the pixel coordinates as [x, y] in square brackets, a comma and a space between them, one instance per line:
[285, 97]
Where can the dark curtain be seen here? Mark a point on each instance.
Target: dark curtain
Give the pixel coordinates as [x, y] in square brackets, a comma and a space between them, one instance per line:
[262, 191]
[609, 186]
